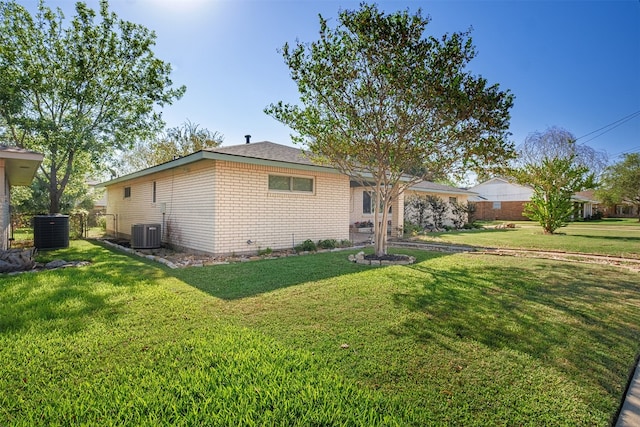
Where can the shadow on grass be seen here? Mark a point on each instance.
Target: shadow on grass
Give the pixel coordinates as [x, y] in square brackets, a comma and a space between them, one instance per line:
[552, 315]
[615, 238]
[247, 279]
[65, 299]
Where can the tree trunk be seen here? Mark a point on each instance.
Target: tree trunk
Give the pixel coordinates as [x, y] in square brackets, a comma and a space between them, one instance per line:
[381, 237]
[380, 229]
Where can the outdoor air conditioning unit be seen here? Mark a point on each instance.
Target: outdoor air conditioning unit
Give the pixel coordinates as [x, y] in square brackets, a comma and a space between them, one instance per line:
[146, 236]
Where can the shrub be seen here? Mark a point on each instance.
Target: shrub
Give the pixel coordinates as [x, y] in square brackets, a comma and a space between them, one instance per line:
[412, 229]
[306, 246]
[472, 225]
[462, 213]
[102, 222]
[597, 215]
[428, 212]
[266, 251]
[345, 243]
[328, 244]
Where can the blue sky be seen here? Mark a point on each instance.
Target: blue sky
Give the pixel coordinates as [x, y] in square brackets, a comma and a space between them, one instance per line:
[572, 64]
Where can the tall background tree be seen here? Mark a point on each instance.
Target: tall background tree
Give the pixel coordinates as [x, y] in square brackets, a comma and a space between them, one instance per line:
[77, 88]
[390, 107]
[556, 142]
[175, 142]
[621, 182]
[556, 167]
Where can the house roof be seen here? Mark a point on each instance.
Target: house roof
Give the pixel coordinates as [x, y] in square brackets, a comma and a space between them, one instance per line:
[267, 150]
[500, 189]
[20, 165]
[432, 187]
[269, 154]
[259, 153]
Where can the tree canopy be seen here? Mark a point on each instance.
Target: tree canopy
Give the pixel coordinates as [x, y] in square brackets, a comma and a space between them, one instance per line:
[554, 181]
[174, 142]
[390, 106]
[556, 168]
[77, 88]
[621, 182]
[556, 142]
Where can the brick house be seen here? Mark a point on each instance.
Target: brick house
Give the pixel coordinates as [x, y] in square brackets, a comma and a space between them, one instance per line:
[241, 199]
[500, 199]
[17, 167]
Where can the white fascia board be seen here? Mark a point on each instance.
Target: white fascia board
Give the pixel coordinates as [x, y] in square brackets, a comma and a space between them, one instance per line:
[210, 155]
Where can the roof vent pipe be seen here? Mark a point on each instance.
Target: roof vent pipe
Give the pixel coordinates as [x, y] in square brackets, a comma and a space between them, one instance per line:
[248, 138]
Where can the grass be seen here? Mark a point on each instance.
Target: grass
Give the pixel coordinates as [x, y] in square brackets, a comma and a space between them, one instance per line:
[314, 340]
[612, 237]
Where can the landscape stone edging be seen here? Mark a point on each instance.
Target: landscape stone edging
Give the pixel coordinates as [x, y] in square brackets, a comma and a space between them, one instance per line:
[141, 254]
[175, 266]
[359, 258]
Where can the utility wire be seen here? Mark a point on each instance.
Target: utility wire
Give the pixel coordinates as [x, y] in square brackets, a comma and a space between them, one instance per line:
[627, 151]
[610, 126]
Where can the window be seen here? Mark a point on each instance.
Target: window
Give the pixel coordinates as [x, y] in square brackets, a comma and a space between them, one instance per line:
[153, 195]
[497, 205]
[291, 183]
[127, 192]
[623, 210]
[367, 202]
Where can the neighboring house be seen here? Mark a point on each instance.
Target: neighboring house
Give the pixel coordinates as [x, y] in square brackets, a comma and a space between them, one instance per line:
[586, 204]
[17, 167]
[621, 210]
[625, 210]
[243, 198]
[99, 195]
[500, 199]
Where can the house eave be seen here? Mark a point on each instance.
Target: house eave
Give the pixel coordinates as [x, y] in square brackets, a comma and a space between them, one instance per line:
[453, 190]
[211, 155]
[20, 165]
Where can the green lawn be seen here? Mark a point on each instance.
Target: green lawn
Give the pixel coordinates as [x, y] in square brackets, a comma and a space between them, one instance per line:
[314, 340]
[615, 237]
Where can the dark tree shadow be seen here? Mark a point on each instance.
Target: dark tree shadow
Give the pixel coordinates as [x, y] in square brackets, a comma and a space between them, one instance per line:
[246, 279]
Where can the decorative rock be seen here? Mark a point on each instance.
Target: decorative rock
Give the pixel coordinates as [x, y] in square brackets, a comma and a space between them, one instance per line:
[55, 264]
[13, 260]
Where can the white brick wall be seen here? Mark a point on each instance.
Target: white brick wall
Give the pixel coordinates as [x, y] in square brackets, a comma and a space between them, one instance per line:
[217, 207]
[248, 211]
[181, 193]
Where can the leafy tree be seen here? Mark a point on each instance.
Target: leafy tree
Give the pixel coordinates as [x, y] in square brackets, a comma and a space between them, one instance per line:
[556, 168]
[621, 182]
[554, 181]
[390, 107]
[175, 142]
[84, 87]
